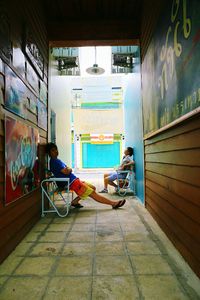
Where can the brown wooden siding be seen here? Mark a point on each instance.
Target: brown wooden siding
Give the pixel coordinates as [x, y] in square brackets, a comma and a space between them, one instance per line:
[17, 218]
[150, 13]
[172, 186]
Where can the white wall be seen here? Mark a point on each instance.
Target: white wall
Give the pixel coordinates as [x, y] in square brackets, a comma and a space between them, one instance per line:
[98, 121]
[60, 103]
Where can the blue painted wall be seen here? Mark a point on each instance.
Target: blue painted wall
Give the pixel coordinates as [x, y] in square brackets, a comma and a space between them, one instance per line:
[134, 127]
[72, 155]
[101, 156]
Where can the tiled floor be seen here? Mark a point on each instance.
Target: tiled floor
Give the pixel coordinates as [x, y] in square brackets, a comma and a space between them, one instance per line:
[97, 253]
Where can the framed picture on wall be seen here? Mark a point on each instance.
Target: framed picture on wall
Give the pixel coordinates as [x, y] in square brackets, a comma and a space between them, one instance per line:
[2, 88]
[19, 59]
[42, 115]
[15, 93]
[32, 77]
[1, 66]
[32, 103]
[43, 92]
[22, 165]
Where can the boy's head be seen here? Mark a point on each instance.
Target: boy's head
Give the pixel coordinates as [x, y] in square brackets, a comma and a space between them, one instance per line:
[52, 150]
[128, 151]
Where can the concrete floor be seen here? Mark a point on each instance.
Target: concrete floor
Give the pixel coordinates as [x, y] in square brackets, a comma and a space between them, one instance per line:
[97, 253]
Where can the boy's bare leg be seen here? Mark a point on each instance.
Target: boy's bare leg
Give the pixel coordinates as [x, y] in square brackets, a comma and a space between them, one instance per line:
[102, 199]
[112, 183]
[106, 180]
[76, 201]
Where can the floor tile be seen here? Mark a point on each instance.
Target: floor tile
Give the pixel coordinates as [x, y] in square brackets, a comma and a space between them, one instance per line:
[59, 227]
[39, 227]
[77, 265]
[114, 288]
[110, 248]
[9, 265]
[35, 266]
[53, 237]
[107, 219]
[89, 220]
[78, 249]
[24, 288]
[46, 219]
[108, 235]
[23, 248]
[46, 249]
[112, 265]
[32, 236]
[76, 236]
[2, 280]
[83, 227]
[69, 288]
[115, 226]
[151, 264]
[142, 247]
[135, 236]
[161, 287]
[67, 220]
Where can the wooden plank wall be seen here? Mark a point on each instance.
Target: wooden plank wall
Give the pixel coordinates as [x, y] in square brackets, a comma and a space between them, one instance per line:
[17, 218]
[150, 14]
[172, 186]
[172, 168]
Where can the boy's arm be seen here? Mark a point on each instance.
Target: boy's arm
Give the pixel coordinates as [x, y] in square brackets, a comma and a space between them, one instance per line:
[127, 164]
[66, 171]
[130, 163]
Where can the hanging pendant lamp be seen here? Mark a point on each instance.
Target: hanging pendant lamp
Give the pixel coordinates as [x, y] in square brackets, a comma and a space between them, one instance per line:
[95, 69]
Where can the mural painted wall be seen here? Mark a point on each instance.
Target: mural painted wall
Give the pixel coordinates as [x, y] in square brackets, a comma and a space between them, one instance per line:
[171, 81]
[22, 164]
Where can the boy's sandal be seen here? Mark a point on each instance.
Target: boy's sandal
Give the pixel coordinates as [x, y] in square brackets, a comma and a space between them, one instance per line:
[119, 204]
[78, 205]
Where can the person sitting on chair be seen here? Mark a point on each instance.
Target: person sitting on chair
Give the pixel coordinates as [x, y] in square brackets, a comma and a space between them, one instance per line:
[81, 188]
[126, 164]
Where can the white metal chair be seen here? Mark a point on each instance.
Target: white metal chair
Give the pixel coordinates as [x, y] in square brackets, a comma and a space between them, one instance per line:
[126, 184]
[49, 190]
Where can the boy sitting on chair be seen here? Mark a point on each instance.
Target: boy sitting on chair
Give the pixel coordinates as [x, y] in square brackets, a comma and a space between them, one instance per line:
[81, 188]
[126, 164]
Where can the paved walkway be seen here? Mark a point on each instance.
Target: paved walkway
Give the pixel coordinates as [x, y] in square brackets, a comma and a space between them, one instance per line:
[97, 253]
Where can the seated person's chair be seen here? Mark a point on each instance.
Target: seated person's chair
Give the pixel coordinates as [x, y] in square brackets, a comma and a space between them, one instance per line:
[125, 182]
[50, 189]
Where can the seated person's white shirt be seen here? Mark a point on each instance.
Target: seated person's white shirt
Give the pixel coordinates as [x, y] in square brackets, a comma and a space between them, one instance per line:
[126, 159]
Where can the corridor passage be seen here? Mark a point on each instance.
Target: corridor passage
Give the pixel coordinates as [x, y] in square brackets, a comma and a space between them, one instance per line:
[97, 253]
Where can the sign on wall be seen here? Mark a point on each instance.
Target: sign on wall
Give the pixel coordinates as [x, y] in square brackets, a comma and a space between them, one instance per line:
[171, 68]
[33, 52]
[22, 175]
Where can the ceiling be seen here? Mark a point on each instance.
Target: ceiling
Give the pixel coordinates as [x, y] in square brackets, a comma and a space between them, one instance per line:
[89, 22]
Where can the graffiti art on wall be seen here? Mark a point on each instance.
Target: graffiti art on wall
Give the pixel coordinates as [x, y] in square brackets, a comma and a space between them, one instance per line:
[21, 144]
[171, 68]
[15, 95]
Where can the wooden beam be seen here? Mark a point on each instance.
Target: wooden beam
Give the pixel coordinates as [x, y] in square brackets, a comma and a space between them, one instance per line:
[85, 43]
[93, 33]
